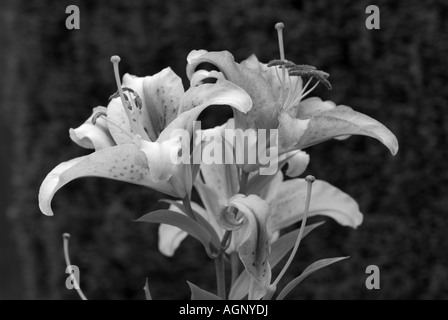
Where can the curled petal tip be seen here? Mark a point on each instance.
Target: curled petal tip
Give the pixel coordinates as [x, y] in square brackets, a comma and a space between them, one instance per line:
[394, 146]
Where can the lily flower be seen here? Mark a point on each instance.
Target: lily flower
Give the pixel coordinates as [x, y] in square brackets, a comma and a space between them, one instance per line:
[272, 204]
[278, 95]
[138, 133]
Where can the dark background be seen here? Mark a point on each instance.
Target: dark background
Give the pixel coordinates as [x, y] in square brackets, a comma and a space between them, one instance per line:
[51, 78]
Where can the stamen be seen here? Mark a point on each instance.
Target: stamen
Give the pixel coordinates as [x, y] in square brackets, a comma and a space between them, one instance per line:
[310, 90]
[137, 100]
[103, 115]
[97, 115]
[66, 237]
[294, 93]
[309, 179]
[307, 84]
[290, 93]
[114, 95]
[115, 61]
[300, 96]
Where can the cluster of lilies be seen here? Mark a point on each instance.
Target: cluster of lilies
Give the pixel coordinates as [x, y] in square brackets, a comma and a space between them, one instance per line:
[243, 211]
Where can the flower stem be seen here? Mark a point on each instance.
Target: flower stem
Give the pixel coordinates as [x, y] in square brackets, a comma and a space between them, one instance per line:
[309, 180]
[220, 276]
[235, 263]
[189, 211]
[243, 182]
[65, 238]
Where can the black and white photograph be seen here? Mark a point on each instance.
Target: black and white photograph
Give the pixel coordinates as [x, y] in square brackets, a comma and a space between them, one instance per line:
[249, 151]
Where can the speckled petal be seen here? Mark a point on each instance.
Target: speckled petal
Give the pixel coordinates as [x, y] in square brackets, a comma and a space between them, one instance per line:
[124, 163]
[161, 99]
[251, 237]
[119, 125]
[288, 206]
[264, 112]
[322, 120]
[198, 98]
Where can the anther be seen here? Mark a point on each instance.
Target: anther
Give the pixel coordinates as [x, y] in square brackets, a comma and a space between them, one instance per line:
[319, 75]
[115, 95]
[102, 114]
[137, 100]
[95, 118]
[276, 62]
[302, 67]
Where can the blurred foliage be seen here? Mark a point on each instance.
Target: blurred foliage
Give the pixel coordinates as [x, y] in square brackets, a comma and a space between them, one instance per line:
[53, 77]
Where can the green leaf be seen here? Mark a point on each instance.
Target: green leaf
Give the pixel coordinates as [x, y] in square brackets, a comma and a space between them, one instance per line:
[311, 269]
[185, 223]
[200, 294]
[279, 249]
[204, 223]
[285, 243]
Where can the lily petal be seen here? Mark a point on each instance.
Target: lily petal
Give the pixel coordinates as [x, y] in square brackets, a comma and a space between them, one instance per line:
[264, 113]
[161, 99]
[222, 92]
[198, 98]
[264, 186]
[218, 184]
[123, 163]
[93, 136]
[312, 106]
[160, 95]
[298, 161]
[251, 234]
[159, 157]
[170, 238]
[288, 206]
[118, 124]
[201, 76]
[330, 123]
